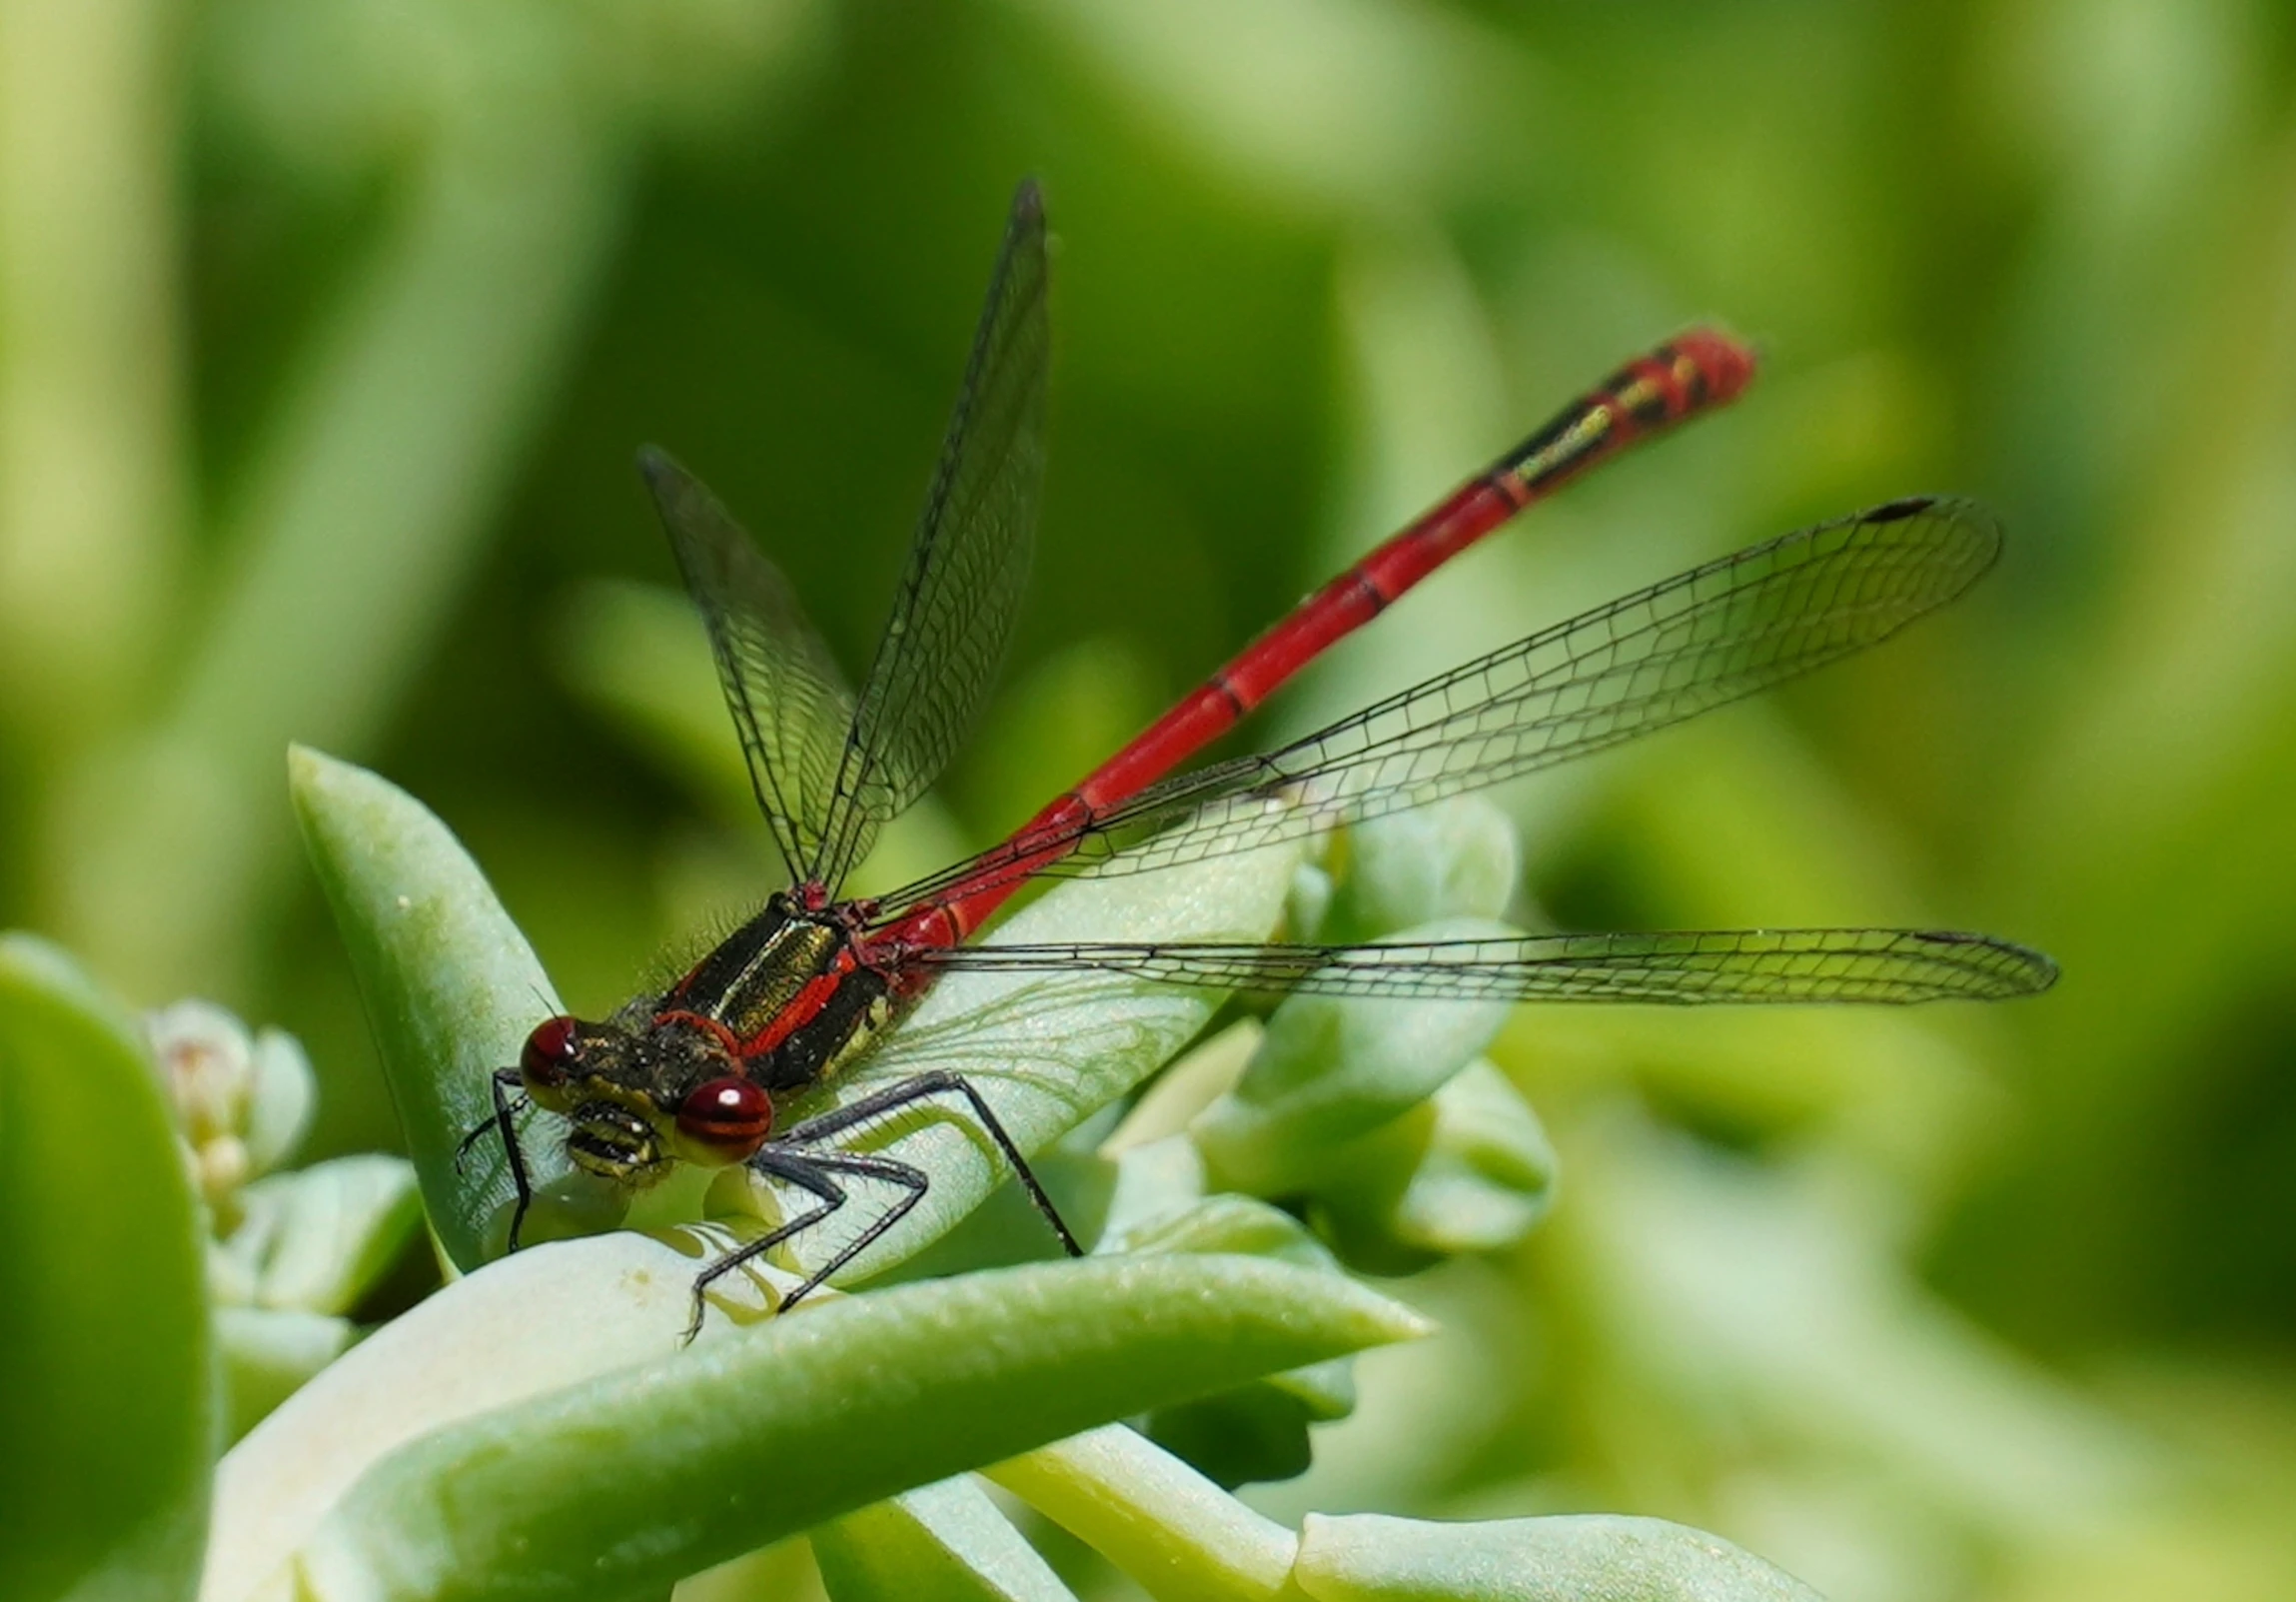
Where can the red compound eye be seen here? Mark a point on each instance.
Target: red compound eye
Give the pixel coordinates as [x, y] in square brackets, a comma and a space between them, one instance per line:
[731, 1116]
[550, 1051]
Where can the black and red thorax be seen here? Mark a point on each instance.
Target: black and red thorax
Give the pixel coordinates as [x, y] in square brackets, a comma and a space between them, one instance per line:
[791, 995]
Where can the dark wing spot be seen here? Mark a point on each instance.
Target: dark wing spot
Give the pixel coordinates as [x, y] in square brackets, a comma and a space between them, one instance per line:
[1899, 510]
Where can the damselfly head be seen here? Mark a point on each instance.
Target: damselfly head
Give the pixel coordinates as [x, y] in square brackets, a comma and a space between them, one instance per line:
[642, 1099]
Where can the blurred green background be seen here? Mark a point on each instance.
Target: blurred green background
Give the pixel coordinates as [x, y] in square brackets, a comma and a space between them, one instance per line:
[328, 329]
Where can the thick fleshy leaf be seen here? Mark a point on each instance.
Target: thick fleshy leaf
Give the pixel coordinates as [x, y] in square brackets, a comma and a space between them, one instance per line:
[271, 1353]
[1333, 1067]
[1460, 858]
[1230, 1224]
[451, 985]
[643, 1474]
[110, 1407]
[316, 1240]
[1209, 1071]
[1468, 1169]
[1152, 1182]
[1256, 1431]
[937, 1543]
[1154, 1517]
[549, 1316]
[1370, 1557]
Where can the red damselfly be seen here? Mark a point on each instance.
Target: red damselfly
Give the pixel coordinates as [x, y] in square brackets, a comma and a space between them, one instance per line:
[695, 1074]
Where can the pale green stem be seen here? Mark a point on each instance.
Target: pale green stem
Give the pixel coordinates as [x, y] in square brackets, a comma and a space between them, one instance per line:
[1182, 1537]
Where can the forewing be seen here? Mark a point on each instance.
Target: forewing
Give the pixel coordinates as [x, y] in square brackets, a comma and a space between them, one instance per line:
[967, 565]
[1700, 640]
[789, 703]
[1700, 968]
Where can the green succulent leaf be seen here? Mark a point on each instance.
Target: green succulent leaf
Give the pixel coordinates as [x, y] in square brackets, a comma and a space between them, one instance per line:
[643, 1474]
[1468, 1169]
[271, 1353]
[318, 1238]
[1258, 1431]
[1333, 1067]
[1370, 1557]
[545, 1318]
[1460, 858]
[937, 1543]
[110, 1411]
[451, 985]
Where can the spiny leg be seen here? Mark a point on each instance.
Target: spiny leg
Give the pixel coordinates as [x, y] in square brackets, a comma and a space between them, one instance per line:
[812, 1173]
[912, 1181]
[802, 1171]
[916, 1089]
[503, 1125]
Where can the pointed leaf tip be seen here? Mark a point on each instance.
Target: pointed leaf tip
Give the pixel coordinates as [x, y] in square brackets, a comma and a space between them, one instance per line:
[449, 984]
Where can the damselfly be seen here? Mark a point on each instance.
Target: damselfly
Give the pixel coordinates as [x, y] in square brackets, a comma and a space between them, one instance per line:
[695, 1073]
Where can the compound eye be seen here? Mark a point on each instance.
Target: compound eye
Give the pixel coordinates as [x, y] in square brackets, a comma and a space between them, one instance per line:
[550, 1051]
[731, 1116]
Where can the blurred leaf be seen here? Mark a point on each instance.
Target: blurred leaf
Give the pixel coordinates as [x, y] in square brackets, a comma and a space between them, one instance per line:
[1369, 1557]
[450, 986]
[1460, 858]
[1704, 1276]
[95, 481]
[1330, 1069]
[1468, 1169]
[280, 1108]
[1059, 719]
[317, 1241]
[937, 1543]
[269, 1353]
[637, 654]
[634, 1478]
[1392, 101]
[368, 507]
[110, 1410]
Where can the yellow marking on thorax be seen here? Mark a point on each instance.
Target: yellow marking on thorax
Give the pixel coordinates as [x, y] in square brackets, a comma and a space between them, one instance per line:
[863, 1037]
[797, 951]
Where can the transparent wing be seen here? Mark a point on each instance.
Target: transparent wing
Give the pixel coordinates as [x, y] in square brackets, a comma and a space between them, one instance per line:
[1731, 966]
[789, 705]
[967, 565]
[1700, 640]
